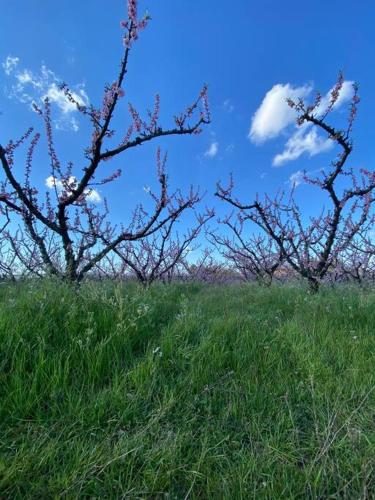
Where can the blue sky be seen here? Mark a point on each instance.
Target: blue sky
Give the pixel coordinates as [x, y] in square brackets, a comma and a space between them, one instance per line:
[241, 49]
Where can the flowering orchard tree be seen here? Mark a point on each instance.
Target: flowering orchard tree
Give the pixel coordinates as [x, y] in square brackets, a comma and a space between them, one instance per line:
[8, 261]
[82, 233]
[23, 249]
[257, 257]
[357, 265]
[311, 249]
[205, 269]
[156, 257]
[109, 268]
[358, 261]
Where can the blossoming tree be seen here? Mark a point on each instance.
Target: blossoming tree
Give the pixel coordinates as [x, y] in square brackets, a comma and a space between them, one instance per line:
[158, 256]
[312, 248]
[255, 257]
[82, 235]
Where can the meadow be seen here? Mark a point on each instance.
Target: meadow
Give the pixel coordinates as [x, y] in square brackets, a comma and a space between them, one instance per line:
[186, 391]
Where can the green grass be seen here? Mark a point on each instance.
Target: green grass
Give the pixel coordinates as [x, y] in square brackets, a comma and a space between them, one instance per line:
[186, 391]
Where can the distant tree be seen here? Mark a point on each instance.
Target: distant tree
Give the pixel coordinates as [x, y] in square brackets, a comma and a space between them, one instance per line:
[156, 257]
[8, 261]
[357, 263]
[205, 269]
[82, 233]
[255, 257]
[312, 249]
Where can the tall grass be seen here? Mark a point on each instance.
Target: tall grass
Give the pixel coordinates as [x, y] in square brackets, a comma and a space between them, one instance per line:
[186, 391]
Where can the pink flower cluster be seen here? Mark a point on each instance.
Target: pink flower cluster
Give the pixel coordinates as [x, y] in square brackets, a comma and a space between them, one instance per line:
[132, 25]
[137, 122]
[154, 116]
[132, 10]
[29, 158]
[110, 95]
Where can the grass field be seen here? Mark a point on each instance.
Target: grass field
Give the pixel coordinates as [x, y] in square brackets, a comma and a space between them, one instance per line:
[186, 391]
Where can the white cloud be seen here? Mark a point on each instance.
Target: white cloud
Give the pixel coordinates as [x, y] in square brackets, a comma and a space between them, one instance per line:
[91, 194]
[10, 64]
[30, 88]
[212, 150]
[274, 114]
[297, 178]
[346, 93]
[57, 96]
[51, 182]
[26, 77]
[274, 117]
[302, 141]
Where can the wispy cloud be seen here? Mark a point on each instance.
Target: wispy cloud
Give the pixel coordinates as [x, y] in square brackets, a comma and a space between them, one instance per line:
[274, 117]
[213, 150]
[10, 64]
[296, 178]
[345, 95]
[29, 87]
[300, 142]
[91, 194]
[228, 106]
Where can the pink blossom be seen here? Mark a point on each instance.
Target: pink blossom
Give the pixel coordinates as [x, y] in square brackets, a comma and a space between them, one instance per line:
[132, 10]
